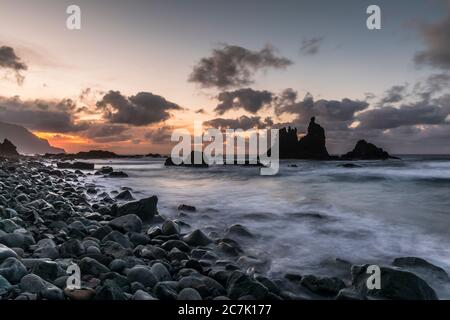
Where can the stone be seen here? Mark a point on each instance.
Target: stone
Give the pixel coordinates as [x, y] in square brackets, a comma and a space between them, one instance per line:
[17, 240]
[12, 270]
[197, 238]
[169, 227]
[117, 265]
[91, 266]
[47, 270]
[119, 238]
[76, 165]
[323, 285]
[396, 285]
[71, 249]
[117, 174]
[109, 290]
[5, 286]
[165, 290]
[185, 207]
[160, 272]
[34, 284]
[125, 195]
[421, 267]
[240, 284]
[145, 208]
[127, 223]
[189, 294]
[6, 252]
[8, 149]
[143, 275]
[142, 295]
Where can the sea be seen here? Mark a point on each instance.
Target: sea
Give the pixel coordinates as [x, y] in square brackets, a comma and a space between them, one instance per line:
[313, 217]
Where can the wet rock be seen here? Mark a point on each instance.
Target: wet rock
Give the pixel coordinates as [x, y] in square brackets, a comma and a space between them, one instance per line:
[109, 290]
[127, 223]
[71, 249]
[185, 207]
[17, 240]
[75, 165]
[91, 266]
[125, 195]
[323, 285]
[238, 230]
[142, 295]
[47, 270]
[165, 290]
[240, 284]
[34, 284]
[117, 265]
[170, 227]
[180, 245]
[189, 294]
[12, 270]
[160, 272]
[205, 286]
[197, 238]
[146, 208]
[421, 267]
[46, 248]
[396, 285]
[117, 174]
[119, 238]
[6, 252]
[143, 275]
[5, 286]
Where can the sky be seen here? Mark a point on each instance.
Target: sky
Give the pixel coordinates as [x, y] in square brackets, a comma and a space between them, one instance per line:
[139, 69]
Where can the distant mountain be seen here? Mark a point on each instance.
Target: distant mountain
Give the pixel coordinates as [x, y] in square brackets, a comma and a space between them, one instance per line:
[25, 141]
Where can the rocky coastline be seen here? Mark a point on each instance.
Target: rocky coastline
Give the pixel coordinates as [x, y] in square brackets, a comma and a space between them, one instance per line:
[125, 249]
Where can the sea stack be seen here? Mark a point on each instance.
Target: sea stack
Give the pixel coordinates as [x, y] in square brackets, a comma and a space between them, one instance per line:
[8, 149]
[367, 151]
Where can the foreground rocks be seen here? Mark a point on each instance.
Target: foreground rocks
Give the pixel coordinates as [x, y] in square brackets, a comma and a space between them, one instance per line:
[52, 221]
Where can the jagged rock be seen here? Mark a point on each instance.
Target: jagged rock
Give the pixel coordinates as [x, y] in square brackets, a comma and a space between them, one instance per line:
[421, 267]
[185, 207]
[125, 195]
[76, 165]
[366, 151]
[8, 149]
[395, 284]
[311, 146]
[188, 161]
[240, 284]
[104, 170]
[145, 208]
[197, 238]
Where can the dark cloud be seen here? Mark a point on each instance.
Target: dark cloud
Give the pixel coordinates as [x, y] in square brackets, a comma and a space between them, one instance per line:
[51, 116]
[10, 61]
[233, 66]
[103, 133]
[437, 39]
[160, 135]
[406, 115]
[311, 46]
[394, 94]
[242, 122]
[142, 109]
[200, 111]
[433, 85]
[325, 110]
[248, 99]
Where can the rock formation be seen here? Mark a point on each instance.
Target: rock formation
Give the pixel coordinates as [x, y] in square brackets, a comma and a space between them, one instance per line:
[8, 150]
[311, 146]
[367, 151]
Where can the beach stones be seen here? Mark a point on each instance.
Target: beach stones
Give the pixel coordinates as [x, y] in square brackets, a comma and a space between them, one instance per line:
[127, 223]
[170, 227]
[189, 294]
[34, 284]
[322, 285]
[197, 238]
[143, 275]
[6, 252]
[145, 208]
[12, 270]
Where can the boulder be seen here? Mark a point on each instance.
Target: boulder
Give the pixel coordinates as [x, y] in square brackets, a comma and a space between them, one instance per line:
[6, 252]
[142, 295]
[34, 284]
[127, 223]
[189, 294]
[395, 284]
[8, 149]
[145, 208]
[169, 227]
[125, 195]
[197, 238]
[366, 151]
[421, 267]
[323, 285]
[91, 266]
[109, 291]
[12, 270]
[240, 284]
[76, 165]
[143, 275]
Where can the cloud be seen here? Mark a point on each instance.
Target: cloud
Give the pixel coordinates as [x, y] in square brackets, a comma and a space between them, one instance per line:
[311, 46]
[242, 122]
[326, 110]
[406, 115]
[142, 109]
[394, 94]
[437, 38]
[234, 66]
[10, 61]
[160, 135]
[103, 133]
[41, 115]
[248, 99]
[200, 111]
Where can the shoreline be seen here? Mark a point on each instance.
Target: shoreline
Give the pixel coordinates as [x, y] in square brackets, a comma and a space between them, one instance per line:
[126, 250]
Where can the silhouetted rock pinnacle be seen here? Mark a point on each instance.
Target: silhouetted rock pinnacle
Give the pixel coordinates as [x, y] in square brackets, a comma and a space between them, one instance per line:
[7, 149]
[311, 146]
